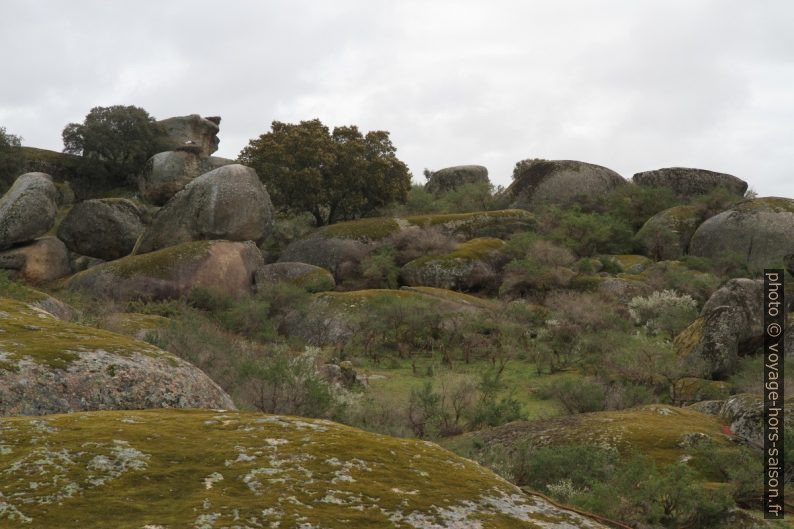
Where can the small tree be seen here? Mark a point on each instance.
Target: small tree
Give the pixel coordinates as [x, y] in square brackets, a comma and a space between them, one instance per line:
[11, 158]
[334, 175]
[120, 137]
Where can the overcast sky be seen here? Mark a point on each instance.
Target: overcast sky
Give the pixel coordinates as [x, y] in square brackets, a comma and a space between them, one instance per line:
[632, 85]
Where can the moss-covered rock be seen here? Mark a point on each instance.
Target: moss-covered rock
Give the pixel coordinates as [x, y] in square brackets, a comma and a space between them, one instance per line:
[655, 430]
[755, 233]
[630, 264]
[133, 324]
[558, 182]
[500, 224]
[689, 390]
[666, 235]
[221, 266]
[472, 265]
[51, 366]
[312, 278]
[203, 469]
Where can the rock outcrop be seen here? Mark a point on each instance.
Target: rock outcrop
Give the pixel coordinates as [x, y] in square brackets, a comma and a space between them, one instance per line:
[558, 182]
[235, 469]
[51, 366]
[690, 182]
[221, 266]
[755, 232]
[228, 203]
[167, 173]
[312, 278]
[730, 324]
[451, 178]
[28, 209]
[192, 133]
[45, 259]
[103, 228]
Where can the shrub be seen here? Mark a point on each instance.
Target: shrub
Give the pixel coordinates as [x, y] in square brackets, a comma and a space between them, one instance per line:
[12, 159]
[577, 395]
[665, 312]
[493, 410]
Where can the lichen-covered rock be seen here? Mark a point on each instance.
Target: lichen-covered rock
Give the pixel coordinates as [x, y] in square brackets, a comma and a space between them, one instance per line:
[221, 266]
[745, 415]
[471, 265]
[730, 323]
[167, 173]
[312, 278]
[228, 203]
[45, 259]
[192, 132]
[451, 178]
[202, 469]
[755, 232]
[51, 366]
[666, 235]
[28, 209]
[558, 182]
[103, 228]
[689, 182]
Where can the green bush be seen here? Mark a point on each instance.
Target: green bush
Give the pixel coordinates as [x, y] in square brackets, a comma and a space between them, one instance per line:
[577, 395]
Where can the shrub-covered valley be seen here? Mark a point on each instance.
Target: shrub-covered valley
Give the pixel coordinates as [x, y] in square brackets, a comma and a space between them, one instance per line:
[307, 337]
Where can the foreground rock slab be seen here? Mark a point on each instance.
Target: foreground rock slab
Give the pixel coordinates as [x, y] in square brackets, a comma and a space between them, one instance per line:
[221, 266]
[197, 468]
[51, 366]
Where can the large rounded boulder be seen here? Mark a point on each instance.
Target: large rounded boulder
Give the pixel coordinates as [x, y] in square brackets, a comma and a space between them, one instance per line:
[451, 178]
[167, 173]
[206, 469]
[103, 228]
[192, 132]
[28, 209]
[45, 259]
[223, 267]
[757, 233]
[730, 325]
[666, 235]
[558, 182]
[228, 203]
[689, 182]
[52, 366]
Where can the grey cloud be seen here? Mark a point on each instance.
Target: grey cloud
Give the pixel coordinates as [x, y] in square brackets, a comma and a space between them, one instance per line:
[630, 85]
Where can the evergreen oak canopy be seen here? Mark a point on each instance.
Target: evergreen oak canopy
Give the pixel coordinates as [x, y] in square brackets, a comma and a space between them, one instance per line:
[334, 175]
[121, 137]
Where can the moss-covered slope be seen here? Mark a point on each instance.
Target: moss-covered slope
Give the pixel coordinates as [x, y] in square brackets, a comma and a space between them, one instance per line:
[209, 469]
